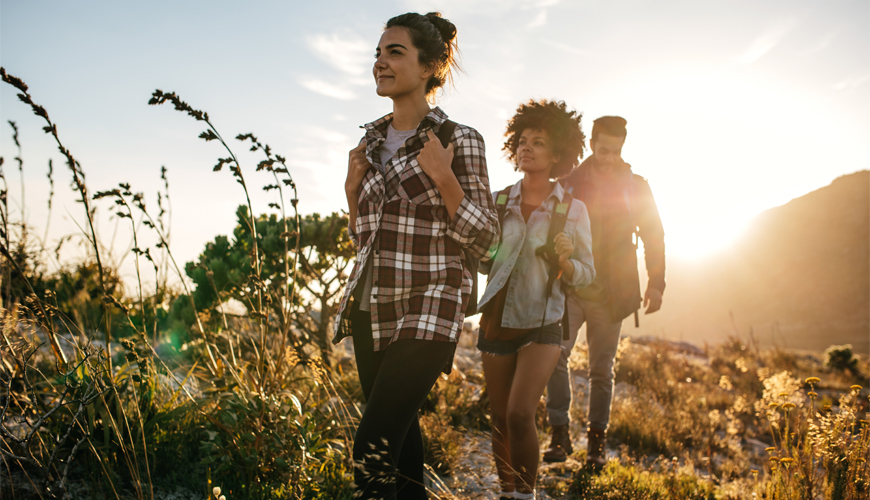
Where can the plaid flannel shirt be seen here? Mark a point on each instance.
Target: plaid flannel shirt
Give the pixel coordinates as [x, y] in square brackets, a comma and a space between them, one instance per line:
[420, 285]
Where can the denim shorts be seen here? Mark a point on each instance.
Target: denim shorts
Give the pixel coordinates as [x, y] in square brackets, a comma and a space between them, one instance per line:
[546, 335]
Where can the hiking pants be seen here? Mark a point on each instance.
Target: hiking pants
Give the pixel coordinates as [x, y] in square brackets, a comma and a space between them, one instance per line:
[602, 338]
[388, 447]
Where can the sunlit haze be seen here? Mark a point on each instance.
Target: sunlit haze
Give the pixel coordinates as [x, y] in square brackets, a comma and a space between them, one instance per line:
[732, 107]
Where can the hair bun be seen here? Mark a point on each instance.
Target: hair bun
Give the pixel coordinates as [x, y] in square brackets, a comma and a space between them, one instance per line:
[444, 27]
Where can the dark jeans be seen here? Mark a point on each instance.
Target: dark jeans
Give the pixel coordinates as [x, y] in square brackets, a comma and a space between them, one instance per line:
[388, 447]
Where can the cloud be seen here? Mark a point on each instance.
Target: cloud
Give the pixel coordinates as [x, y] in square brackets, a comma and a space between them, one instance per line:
[348, 53]
[315, 132]
[567, 48]
[767, 41]
[852, 82]
[326, 88]
[360, 81]
[822, 44]
[540, 20]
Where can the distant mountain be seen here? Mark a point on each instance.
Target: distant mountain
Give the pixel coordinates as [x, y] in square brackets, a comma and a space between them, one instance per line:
[798, 278]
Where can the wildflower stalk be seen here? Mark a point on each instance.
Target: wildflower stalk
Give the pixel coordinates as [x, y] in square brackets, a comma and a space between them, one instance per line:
[159, 97]
[268, 164]
[140, 204]
[21, 174]
[79, 182]
[50, 197]
[120, 199]
[144, 445]
[167, 212]
[209, 274]
[6, 276]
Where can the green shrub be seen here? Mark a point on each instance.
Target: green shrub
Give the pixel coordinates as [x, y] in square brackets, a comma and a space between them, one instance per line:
[840, 357]
[627, 482]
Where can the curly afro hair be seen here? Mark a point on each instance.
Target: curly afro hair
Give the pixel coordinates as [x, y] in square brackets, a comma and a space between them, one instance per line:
[562, 125]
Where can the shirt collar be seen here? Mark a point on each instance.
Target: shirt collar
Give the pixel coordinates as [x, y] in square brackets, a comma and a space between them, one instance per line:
[587, 172]
[436, 116]
[517, 190]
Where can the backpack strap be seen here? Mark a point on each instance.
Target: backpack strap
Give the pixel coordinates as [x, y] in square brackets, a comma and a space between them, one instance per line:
[446, 132]
[501, 201]
[558, 218]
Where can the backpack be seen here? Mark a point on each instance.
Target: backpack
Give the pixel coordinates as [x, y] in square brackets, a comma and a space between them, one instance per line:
[558, 218]
[471, 262]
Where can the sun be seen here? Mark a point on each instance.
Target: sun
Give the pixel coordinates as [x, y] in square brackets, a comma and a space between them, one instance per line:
[720, 145]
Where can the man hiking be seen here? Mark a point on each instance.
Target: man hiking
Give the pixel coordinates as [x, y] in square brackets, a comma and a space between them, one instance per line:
[621, 209]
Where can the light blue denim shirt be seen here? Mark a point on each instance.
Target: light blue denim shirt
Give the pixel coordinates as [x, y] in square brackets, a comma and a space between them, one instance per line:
[529, 273]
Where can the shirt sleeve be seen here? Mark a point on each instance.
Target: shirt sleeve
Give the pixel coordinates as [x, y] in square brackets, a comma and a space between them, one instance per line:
[354, 237]
[475, 225]
[652, 233]
[351, 231]
[486, 266]
[581, 258]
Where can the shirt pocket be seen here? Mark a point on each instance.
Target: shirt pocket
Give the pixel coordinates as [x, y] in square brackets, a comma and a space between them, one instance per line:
[511, 230]
[538, 228]
[416, 187]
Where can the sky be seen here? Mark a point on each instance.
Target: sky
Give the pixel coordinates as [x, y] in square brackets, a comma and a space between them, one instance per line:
[733, 107]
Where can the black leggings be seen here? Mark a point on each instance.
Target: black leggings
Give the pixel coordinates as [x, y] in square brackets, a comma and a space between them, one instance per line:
[395, 383]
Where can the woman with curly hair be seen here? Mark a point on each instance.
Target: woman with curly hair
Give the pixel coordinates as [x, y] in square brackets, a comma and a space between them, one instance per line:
[420, 214]
[520, 329]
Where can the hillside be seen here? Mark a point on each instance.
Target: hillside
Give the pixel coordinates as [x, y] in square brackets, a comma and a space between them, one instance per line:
[799, 277]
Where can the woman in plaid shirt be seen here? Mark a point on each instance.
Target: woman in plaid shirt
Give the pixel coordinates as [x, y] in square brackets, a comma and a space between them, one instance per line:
[415, 209]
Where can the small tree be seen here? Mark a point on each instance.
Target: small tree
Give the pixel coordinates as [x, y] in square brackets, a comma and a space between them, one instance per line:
[327, 253]
[224, 270]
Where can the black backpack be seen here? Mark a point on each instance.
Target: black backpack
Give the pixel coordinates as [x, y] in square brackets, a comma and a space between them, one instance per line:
[471, 262]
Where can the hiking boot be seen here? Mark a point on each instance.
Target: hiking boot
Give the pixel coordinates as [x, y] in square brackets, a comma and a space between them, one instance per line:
[560, 444]
[595, 455]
